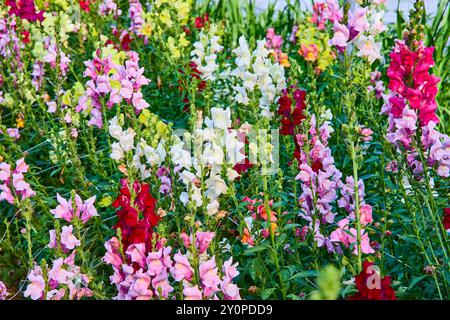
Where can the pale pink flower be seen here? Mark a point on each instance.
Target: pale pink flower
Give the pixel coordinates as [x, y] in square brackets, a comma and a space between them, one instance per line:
[203, 239]
[136, 252]
[366, 214]
[36, 287]
[191, 292]
[68, 240]
[209, 277]
[3, 291]
[182, 269]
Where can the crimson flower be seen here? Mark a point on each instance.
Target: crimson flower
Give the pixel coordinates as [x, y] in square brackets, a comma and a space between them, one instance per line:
[371, 288]
[291, 116]
[137, 217]
[446, 220]
[201, 21]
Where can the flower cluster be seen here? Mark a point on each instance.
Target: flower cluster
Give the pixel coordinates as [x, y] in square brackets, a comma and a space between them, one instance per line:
[214, 146]
[204, 54]
[274, 42]
[364, 24]
[63, 281]
[409, 78]
[320, 179]
[10, 44]
[75, 208]
[258, 213]
[136, 214]
[13, 182]
[371, 286]
[255, 70]
[25, 9]
[326, 11]
[125, 139]
[112, 81]
[145, 275]
[109, 7]
[412, 104]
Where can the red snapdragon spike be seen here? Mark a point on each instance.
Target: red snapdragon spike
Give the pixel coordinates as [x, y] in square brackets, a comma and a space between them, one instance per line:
[136, 220]
[25, 36]
[370, 288]
[125, 42]
[84, 5]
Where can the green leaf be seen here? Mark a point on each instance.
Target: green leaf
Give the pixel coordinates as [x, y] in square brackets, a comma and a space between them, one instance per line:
[267, 293]
[252, 251]
[305, 274]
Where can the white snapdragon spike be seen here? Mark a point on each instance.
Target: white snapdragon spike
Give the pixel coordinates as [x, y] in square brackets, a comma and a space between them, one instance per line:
[146, 158]
[125, 139]
[204, 55]
[256, 72]
[214, 146]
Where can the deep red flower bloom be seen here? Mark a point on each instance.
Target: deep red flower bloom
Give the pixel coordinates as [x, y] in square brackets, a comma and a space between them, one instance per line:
[371, 286]
[25, 9]
[25, 36]
[291, 117]
[84, 5]
[201, 21]
[137, 217]
[246, 165]
[446, 220]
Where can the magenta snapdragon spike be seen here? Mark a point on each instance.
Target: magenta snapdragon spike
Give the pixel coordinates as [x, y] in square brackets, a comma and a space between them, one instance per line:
[409, 77]
[25, 9]
[412, 104]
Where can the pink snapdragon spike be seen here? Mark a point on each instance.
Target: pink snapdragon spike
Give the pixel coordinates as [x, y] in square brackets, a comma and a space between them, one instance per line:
[151, 275]
[25, 9]
[67, 240]
[65, 280]
[209, 277]
[203, 239]
[421, 90]
[14, 180]
[135, 13]
[3, 291]
[341, 36]
[83, 210]
[181, 269]
[102, 72]
[321, 177]
[36, 287]
[326, 11]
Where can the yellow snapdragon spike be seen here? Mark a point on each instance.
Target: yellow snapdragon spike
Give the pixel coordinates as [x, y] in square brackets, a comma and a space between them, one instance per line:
[165, 18]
